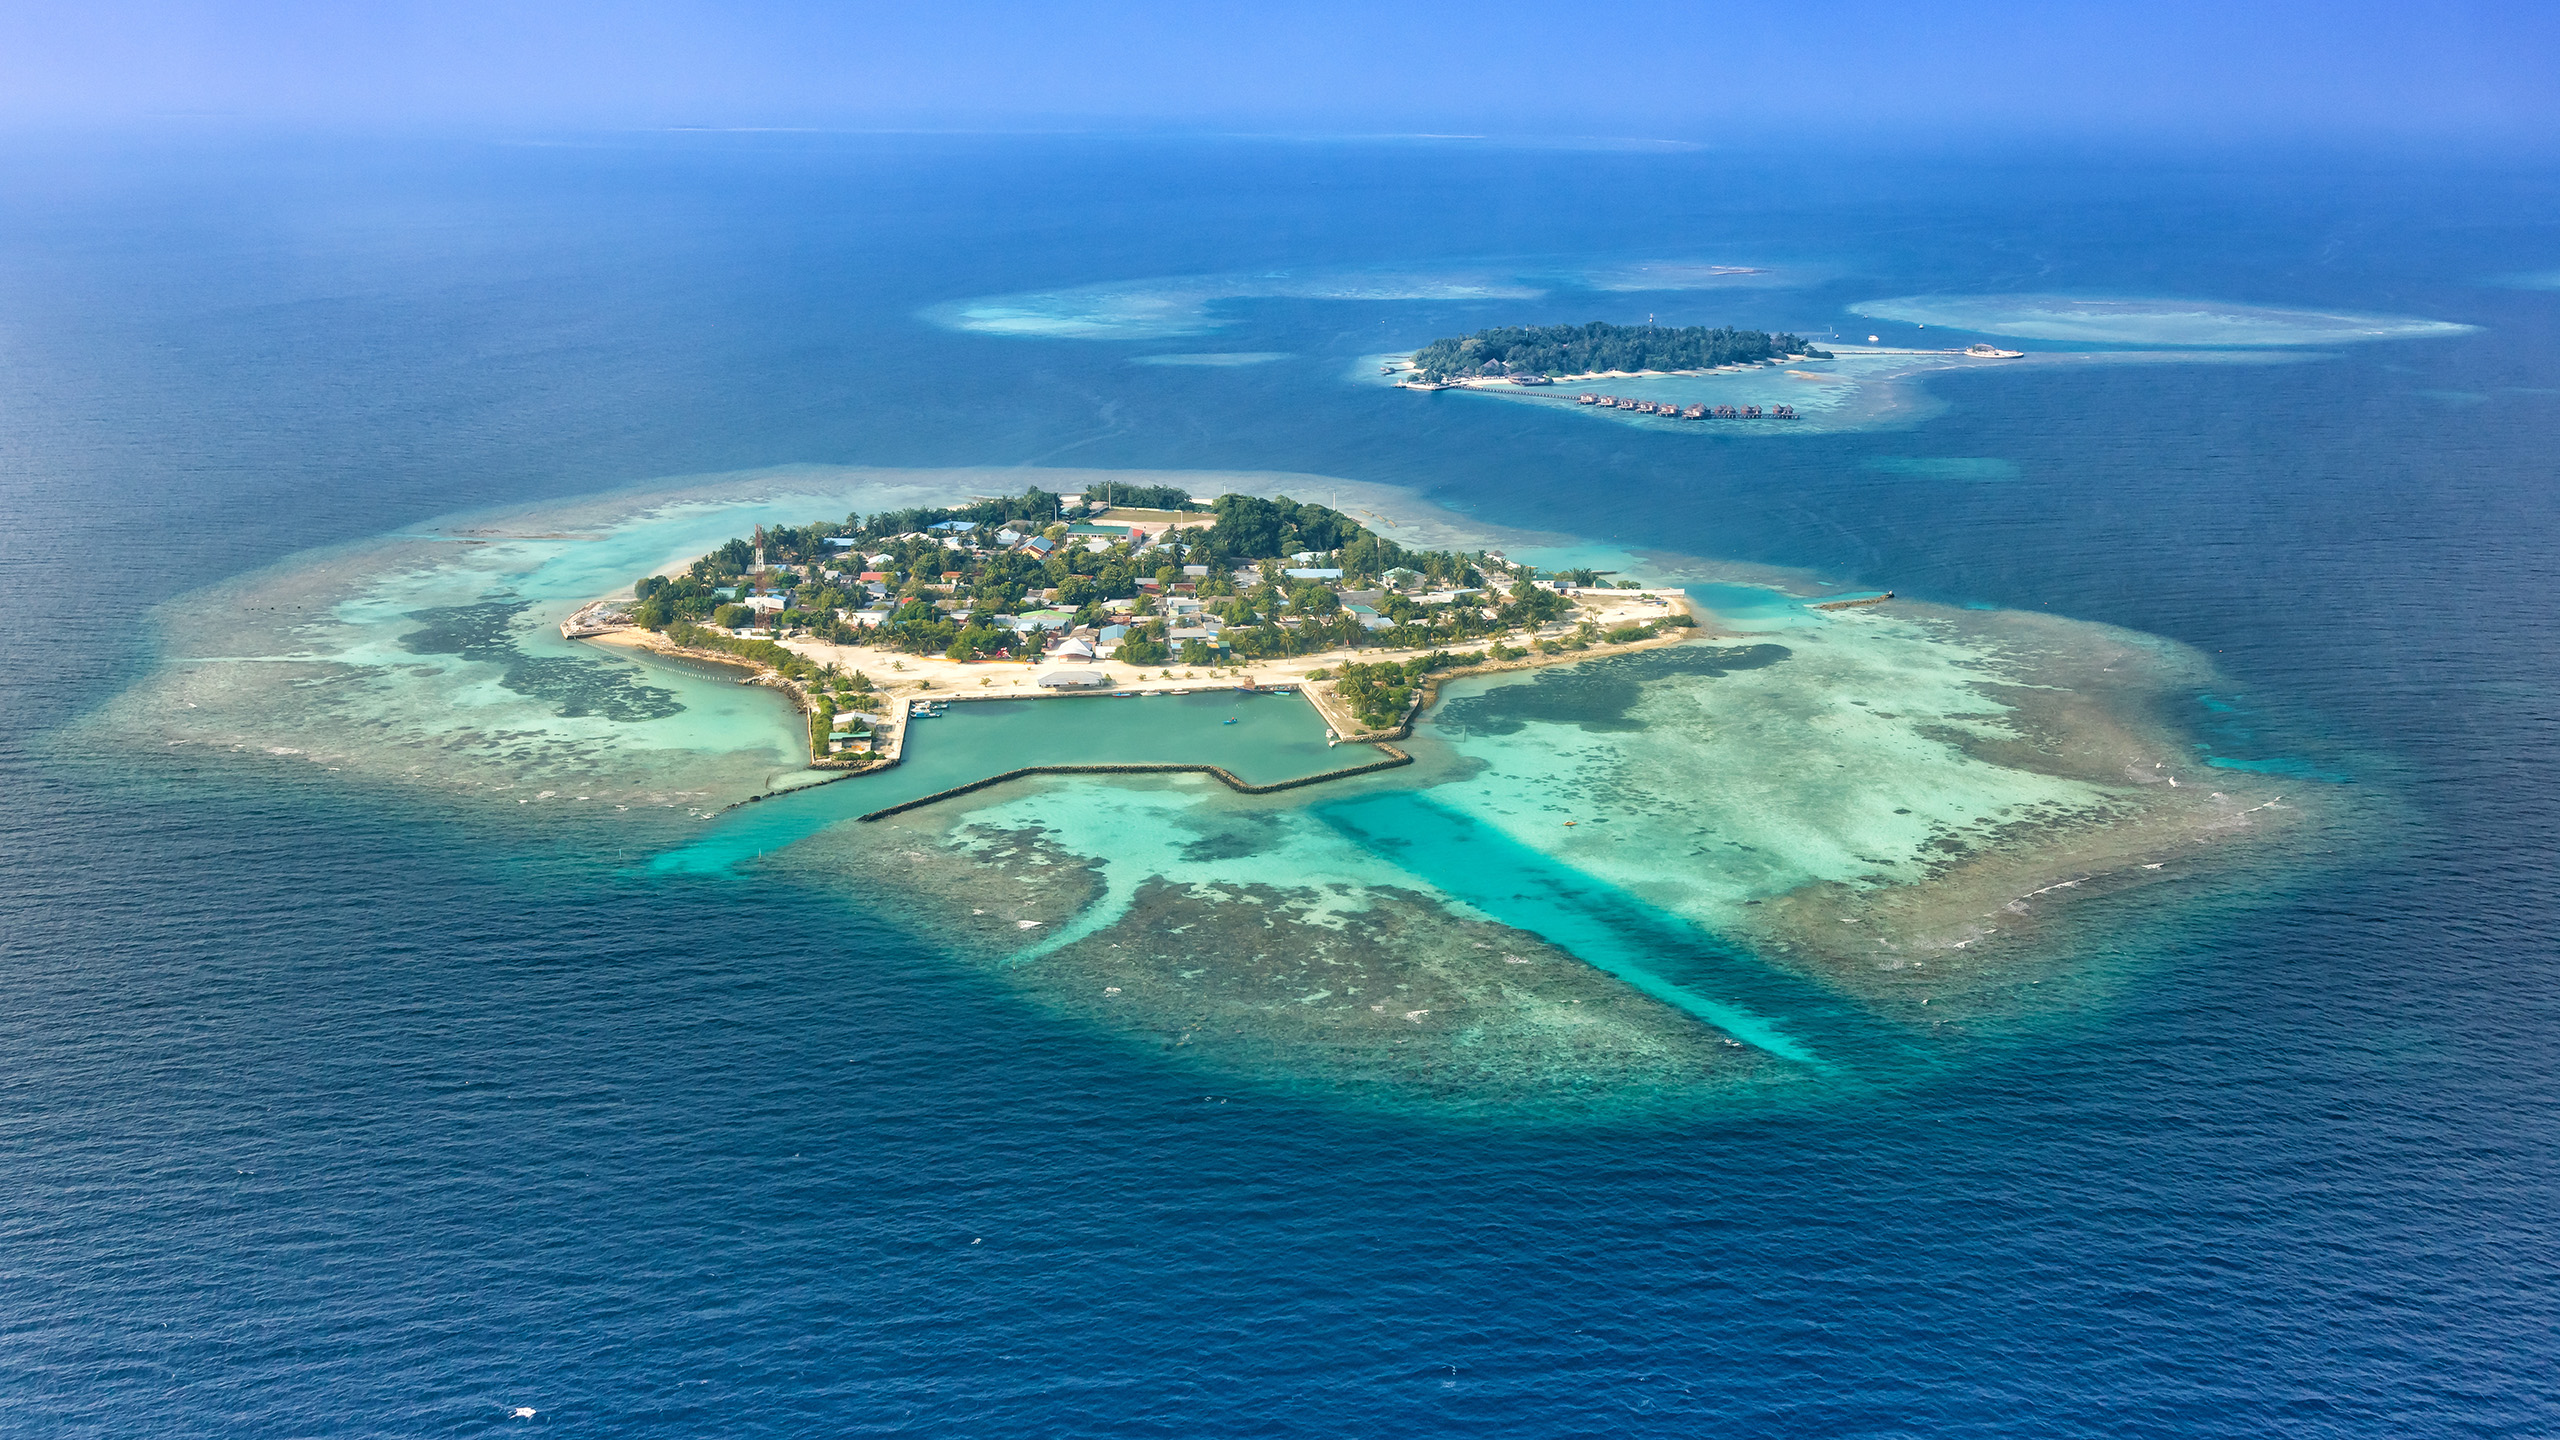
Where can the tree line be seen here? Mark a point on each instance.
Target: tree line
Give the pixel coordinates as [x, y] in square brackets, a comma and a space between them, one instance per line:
[1599, 346]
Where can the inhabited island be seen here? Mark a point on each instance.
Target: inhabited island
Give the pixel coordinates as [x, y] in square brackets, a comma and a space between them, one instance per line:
[1123, 589]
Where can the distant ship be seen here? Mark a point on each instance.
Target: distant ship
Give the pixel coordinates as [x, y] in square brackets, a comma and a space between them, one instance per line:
[1991, 352]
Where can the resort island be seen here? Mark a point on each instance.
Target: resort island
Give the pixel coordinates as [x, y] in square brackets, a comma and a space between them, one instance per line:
[1546, 354]
[883, 618]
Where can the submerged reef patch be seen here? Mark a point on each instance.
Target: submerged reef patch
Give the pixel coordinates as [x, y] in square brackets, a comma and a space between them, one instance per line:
[1839, 859]
[573, 685]
[1375, 993]
[1168, 307]
[1893, 808]
[2087, 320]
[1597, 696]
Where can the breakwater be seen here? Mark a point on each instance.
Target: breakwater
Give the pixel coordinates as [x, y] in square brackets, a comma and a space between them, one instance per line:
[1394, 757]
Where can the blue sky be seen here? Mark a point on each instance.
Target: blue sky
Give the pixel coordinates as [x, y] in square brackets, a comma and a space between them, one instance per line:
[2231, 71]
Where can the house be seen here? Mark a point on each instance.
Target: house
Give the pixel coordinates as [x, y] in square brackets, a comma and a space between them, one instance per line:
[1008, 536]
[1074, 650]
[871, 617]
[1040, 545]
[1313, 572]
[1074, 680]
[768, 604]
[843, 542]
[954, 527]
[873, 577]
[1110, 636]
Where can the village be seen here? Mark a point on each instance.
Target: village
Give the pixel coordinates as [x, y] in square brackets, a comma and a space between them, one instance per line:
[873, 632]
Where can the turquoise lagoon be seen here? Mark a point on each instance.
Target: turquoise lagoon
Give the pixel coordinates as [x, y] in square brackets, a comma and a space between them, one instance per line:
[1757, 855]
[1261, 739]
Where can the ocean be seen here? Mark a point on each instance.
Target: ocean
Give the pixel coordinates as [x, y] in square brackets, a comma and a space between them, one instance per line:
[342, 1106]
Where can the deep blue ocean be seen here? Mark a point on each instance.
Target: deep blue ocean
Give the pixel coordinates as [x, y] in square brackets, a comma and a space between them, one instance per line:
[325, 1110]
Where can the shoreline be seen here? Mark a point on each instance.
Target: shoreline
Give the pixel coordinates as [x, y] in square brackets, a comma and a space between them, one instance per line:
[1489, 382]
[939, 684]
[1403, 365]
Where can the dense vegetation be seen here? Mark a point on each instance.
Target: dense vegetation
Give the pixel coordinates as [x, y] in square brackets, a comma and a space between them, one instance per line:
[1138, 497]
[1588, 349]
[1380, 692]
[943, 591]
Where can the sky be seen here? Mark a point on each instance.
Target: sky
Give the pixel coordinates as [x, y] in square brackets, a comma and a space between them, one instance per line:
[2440, 72]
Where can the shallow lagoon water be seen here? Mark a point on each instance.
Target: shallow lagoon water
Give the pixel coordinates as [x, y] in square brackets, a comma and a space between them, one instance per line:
[1271, 738]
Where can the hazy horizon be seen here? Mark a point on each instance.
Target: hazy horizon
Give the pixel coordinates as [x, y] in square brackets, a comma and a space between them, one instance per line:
[2184, 72]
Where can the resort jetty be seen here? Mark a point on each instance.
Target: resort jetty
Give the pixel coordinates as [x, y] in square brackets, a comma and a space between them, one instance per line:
[1669, 411]
[881, 621]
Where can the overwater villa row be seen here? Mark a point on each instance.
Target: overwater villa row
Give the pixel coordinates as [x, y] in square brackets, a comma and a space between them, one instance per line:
[1694, 412]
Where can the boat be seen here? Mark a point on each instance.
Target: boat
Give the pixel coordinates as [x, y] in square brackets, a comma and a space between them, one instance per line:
[1990, 352]
[1230, 720]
